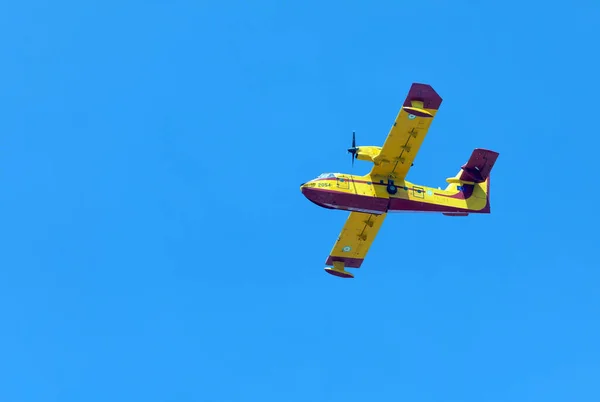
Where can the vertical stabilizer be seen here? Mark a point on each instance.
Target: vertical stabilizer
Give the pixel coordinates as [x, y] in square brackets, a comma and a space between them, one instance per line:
[473, 181]
[476, 170]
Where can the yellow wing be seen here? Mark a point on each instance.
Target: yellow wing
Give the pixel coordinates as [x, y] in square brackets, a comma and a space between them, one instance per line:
[407, 133]
[354, 242]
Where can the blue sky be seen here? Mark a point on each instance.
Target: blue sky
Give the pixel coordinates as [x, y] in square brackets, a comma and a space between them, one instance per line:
[156, 246]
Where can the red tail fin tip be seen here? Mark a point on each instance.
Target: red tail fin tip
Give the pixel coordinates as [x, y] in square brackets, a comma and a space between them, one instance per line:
[479, 166]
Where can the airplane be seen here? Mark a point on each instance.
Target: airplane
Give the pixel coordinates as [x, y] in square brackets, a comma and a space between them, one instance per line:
[384, 189]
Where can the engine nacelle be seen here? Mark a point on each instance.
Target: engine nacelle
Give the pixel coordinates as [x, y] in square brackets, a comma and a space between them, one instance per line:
[368, 153]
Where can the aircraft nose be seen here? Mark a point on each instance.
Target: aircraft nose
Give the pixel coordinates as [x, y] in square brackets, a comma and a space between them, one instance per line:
[304, 187]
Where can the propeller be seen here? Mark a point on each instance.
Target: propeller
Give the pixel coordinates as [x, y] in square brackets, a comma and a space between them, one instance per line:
[353, 150]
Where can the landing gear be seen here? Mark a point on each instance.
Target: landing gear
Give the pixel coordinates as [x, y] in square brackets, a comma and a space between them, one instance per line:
[391, 188]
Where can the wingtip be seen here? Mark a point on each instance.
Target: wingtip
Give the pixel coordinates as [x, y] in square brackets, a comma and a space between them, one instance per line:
[487, 151]
[423, 93]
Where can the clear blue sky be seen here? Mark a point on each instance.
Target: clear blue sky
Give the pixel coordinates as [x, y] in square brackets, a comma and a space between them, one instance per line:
[155, 245]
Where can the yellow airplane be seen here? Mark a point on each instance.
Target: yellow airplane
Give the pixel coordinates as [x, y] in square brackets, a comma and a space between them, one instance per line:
[384, 189]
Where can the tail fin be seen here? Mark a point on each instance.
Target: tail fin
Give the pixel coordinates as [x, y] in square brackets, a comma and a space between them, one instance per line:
[476, 170]
[474, 176]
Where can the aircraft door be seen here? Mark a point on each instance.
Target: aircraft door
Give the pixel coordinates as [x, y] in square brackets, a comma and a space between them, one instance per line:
[418, 192]
[343, 182]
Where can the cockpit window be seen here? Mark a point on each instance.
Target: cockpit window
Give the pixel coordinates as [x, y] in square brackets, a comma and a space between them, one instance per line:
[326, 176]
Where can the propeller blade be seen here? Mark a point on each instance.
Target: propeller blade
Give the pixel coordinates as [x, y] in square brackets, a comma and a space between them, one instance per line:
[353, 150]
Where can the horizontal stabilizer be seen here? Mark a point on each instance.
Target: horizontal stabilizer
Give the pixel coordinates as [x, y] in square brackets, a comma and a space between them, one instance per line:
[454, 180]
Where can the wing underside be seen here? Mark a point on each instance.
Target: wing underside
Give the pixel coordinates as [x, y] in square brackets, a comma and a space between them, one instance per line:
[354, 240]
[407, 133]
